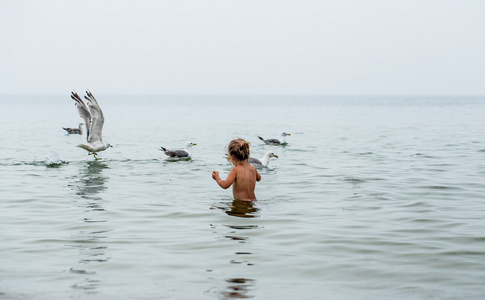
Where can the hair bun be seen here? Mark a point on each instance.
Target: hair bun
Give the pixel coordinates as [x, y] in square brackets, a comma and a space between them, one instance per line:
[239, 149]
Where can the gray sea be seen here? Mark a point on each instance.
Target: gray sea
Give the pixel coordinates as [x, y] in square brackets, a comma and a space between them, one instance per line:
[372, 198]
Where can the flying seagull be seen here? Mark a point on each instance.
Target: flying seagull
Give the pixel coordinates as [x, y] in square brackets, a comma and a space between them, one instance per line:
[264, 161]
[179, 154]
[281, 141]
[94, 120]
[74, 130]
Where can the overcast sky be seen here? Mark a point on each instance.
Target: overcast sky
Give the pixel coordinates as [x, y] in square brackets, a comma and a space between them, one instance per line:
[210, 47]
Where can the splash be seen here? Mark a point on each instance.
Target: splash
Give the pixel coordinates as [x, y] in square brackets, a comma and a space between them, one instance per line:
[52, 159]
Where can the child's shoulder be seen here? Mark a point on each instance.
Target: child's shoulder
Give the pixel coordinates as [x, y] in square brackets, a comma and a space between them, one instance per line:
[244, 167]
[249, 167]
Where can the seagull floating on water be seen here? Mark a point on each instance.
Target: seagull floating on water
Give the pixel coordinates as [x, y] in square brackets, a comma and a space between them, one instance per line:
[264, 161]
[94, 120]
[74, 130]
[281, 141]
[179, 154]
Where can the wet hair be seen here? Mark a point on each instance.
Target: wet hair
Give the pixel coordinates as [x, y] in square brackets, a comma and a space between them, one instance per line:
[239, 149]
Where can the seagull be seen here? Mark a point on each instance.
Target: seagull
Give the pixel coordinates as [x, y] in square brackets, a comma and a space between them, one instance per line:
[281, 141]
[74, 130]
[179, 154]
[94, 120]
[264, 161]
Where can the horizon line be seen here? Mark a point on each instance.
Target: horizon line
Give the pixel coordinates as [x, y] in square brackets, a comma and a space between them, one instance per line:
[263, 95]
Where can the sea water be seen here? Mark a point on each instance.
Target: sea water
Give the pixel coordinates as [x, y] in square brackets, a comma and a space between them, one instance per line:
[371, 198]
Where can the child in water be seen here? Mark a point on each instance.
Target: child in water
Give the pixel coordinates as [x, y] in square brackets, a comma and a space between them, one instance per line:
[243, 176]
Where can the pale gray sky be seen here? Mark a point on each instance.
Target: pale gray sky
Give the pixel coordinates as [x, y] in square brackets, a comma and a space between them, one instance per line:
[321, 47]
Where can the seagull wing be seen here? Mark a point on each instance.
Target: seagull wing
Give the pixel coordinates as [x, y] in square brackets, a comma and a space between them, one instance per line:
[175, 153]
[97, 119]
[83, 110]
[255, 161]
[178, 153]
[273, 141]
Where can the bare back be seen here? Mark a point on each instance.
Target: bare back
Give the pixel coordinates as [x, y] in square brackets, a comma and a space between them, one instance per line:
[245, 182]
[243, 179]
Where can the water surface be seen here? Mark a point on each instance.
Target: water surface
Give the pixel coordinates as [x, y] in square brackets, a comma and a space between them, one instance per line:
[371, 198]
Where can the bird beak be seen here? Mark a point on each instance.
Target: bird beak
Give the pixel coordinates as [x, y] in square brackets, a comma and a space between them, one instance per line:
[288, 134]
[194, 144]
[276, 156]
[111, 146]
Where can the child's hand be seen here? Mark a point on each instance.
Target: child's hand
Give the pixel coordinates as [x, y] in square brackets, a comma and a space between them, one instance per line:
[215, 175]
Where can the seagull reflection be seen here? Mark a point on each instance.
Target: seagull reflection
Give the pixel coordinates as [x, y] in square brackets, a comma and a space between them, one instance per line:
[89, 241]
[91, 180]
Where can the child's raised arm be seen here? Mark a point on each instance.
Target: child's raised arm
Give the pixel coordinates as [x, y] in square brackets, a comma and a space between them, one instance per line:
[225, 183]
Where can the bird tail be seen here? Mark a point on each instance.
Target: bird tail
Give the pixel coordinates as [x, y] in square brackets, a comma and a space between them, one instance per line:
[163, 149]
[260, 138]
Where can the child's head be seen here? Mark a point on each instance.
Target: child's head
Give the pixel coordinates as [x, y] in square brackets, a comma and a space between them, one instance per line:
[238, 150]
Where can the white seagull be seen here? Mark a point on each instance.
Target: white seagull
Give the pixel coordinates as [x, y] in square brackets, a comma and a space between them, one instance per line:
[74, 130]
[281, 141]
[179, 154]
[264, 161]
[94, 120]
